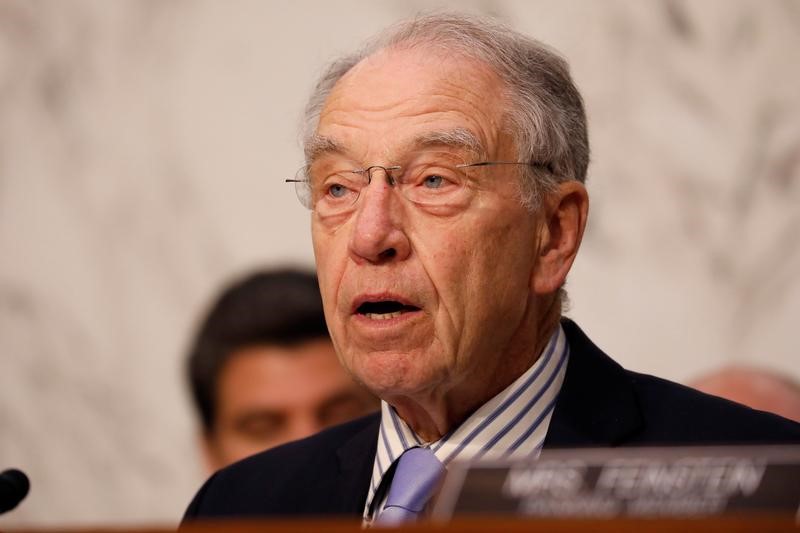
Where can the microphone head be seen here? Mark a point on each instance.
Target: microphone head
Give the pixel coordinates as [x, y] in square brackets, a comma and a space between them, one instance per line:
[14, 486]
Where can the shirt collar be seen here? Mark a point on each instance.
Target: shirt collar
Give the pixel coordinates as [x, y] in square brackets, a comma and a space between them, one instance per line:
[513, 424]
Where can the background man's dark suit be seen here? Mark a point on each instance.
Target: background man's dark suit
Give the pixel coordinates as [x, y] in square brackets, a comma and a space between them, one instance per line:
[600, 404]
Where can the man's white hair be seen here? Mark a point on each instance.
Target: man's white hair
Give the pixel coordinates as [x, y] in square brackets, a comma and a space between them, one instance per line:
[544, 112]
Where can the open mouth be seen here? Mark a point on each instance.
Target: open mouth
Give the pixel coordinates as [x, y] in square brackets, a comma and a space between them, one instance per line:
[384, 309]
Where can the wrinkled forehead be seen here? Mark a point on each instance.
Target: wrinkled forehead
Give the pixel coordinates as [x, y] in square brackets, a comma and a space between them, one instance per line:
[411, 98]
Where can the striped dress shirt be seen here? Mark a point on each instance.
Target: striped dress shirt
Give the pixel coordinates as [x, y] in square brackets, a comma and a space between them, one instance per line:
[512, 425]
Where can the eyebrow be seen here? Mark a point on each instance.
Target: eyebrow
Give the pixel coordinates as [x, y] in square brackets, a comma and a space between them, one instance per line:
[456, 138]
[319, 145]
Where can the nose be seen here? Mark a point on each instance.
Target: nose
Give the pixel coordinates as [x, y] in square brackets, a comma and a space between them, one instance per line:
[378, 234]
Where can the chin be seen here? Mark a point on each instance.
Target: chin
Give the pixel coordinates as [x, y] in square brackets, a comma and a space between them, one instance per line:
[388, 374]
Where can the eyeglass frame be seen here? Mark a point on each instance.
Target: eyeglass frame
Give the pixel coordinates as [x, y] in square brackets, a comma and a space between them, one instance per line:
[548, 167]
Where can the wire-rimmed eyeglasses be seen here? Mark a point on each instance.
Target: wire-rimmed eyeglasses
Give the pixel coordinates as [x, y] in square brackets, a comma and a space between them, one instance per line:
[431, 179]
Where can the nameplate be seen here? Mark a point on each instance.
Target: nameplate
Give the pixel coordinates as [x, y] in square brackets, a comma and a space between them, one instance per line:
[628, 482]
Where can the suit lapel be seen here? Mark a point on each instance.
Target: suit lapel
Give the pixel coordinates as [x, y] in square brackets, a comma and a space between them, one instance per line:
[597, 404]
[356, 457]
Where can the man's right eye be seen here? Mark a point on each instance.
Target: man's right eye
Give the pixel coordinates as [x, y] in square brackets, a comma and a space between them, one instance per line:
[337, 190]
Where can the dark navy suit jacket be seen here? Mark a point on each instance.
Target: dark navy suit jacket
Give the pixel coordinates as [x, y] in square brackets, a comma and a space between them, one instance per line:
[600, 404]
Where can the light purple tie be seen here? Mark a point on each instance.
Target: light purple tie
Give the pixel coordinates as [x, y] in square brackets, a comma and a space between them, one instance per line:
[415, 479]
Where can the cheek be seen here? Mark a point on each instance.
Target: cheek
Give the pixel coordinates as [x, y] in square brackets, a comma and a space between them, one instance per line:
[454, 261]
[463, 260]
[231, 447]
[495, 269]
[329, 268]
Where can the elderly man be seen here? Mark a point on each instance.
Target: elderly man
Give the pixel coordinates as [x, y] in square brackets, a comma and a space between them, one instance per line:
[445, 169]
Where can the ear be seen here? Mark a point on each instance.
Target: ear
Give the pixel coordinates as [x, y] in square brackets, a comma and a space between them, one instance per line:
[560, 235]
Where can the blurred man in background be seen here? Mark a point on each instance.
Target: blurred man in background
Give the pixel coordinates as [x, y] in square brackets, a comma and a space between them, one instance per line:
[753, 387]
[263, 371]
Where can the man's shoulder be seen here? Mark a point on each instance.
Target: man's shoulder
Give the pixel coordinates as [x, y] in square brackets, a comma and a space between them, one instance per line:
[603, 404]
[295, 478]
[675, 412]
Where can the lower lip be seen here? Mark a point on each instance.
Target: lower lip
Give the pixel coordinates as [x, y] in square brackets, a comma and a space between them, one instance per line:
[386, 322]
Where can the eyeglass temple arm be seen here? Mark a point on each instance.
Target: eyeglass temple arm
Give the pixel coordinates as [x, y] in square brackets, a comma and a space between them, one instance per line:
[546, 166]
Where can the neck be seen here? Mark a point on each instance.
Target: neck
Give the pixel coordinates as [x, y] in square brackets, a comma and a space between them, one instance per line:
[436, 413]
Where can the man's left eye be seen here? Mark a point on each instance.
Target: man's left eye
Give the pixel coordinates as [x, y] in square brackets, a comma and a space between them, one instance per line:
[433, 181]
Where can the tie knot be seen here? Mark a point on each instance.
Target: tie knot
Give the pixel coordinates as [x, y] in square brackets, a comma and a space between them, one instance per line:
[415, 479]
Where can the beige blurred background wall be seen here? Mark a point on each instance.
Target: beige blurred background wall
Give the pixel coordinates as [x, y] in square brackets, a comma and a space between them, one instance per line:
[143, 146]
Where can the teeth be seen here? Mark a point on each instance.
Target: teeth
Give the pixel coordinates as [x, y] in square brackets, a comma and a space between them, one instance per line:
[383, 316]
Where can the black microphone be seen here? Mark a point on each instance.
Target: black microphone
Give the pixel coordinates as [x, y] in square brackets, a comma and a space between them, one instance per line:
[14, 487]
